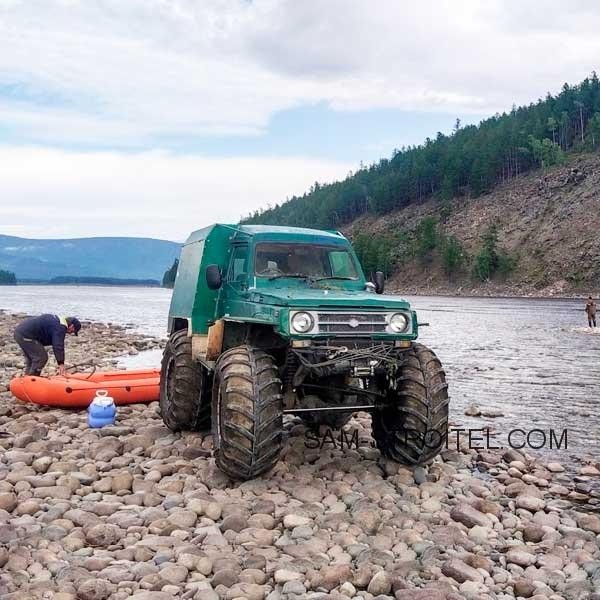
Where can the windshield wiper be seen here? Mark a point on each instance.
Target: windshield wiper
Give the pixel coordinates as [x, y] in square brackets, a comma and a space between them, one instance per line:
[336, 277]
[296, 275]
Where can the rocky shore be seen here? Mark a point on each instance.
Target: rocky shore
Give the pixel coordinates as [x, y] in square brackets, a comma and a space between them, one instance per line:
[135, 511]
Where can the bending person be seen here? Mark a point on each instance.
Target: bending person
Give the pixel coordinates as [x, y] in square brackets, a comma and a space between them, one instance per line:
[34, 333]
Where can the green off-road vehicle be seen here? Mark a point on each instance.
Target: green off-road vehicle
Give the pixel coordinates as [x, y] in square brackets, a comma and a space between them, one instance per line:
[266, 321]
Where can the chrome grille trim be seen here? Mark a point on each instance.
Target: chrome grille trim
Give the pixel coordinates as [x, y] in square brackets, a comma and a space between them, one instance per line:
[333, 317]
[351, 322]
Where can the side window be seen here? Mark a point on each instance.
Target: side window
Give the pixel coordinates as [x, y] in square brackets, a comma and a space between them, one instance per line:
[238, 267]
[341, 264]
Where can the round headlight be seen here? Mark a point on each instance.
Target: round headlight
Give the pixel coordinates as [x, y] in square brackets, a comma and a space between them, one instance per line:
[302, 322]
[398, 322]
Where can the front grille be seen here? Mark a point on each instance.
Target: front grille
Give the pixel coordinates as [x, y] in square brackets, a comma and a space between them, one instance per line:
[351, 323]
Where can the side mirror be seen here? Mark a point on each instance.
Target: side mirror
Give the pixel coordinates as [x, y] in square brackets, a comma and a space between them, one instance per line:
[213, 277]
[379, 282]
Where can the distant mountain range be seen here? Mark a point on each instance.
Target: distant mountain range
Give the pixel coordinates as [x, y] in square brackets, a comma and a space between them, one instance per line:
[116, 257]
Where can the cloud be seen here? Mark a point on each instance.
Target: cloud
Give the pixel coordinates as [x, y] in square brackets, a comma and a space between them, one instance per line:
[126, 74]
[109, 81]
[57, 193]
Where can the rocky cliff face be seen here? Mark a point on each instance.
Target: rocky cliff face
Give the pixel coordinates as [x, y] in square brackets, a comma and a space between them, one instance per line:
[549, 221]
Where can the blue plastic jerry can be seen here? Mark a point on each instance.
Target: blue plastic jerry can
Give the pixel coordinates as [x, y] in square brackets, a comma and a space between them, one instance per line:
[102, 411]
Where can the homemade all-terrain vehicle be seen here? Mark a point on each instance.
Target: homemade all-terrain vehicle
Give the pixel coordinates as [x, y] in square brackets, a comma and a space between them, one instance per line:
[266, 321]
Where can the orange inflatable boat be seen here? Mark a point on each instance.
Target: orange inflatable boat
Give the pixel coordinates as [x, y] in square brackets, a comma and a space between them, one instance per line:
[78, 390]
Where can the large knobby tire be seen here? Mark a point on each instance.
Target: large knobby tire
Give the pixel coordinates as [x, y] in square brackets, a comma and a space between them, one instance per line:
[412, 425]
[247, 412]
[184, 387]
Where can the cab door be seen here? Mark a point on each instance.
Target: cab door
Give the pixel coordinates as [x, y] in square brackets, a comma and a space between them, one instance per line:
[236, 281]
[237, 273]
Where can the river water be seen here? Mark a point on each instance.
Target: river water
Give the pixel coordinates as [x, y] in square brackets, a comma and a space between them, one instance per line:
[531, 359]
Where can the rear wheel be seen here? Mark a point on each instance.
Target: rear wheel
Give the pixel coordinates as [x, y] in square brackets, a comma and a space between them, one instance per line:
[247, 411]
[412, 425]
[184, 387]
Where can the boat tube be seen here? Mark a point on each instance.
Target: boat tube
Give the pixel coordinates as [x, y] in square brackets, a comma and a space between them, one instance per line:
[79, 389]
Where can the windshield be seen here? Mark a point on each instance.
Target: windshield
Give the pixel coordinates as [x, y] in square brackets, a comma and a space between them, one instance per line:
[304, 260]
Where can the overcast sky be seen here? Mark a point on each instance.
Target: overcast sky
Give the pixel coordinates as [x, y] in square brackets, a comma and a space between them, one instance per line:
[155, 117]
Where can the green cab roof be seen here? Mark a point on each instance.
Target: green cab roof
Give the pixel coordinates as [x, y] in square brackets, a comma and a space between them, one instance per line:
[270, 232]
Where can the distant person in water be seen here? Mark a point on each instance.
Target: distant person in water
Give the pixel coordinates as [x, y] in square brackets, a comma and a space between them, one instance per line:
[590, 309]
[34, 333]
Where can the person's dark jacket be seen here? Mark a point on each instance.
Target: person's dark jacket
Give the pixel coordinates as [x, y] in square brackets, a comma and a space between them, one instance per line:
[48, 331]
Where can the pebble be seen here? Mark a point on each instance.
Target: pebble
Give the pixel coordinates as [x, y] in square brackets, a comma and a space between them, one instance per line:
[293, 520]
[472, 411]
[8, 501]
[306, 494]
[469, 516]
[173, 573]
[121, 482]
[533, 534]
[525, 588]
[285, 575]
[294, 587]
[460, 571]
[589, 470]
[213, 511]
[589, 522]
[520, 557]
[234, 523]
[530, 503]
[491, 413]
[381, 583]
[420, 475]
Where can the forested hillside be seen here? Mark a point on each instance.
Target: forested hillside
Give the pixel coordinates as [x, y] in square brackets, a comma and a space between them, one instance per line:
[509, 206]
[537, 234]
[469, 162]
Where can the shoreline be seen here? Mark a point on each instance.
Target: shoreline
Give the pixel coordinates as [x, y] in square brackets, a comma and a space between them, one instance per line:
[136, 511]
[408, 291]
[486, 297]
[490, 294]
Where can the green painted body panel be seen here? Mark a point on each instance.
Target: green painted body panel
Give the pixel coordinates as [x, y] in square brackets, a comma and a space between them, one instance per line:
[191, 296]
[259, 299]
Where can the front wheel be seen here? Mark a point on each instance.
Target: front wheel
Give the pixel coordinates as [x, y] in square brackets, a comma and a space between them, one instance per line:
[184, 387]
[411, 425]
[247, 412]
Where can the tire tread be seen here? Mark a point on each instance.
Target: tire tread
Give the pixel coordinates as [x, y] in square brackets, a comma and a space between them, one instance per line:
[419, 404]
[186, 405]
[251, 446]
